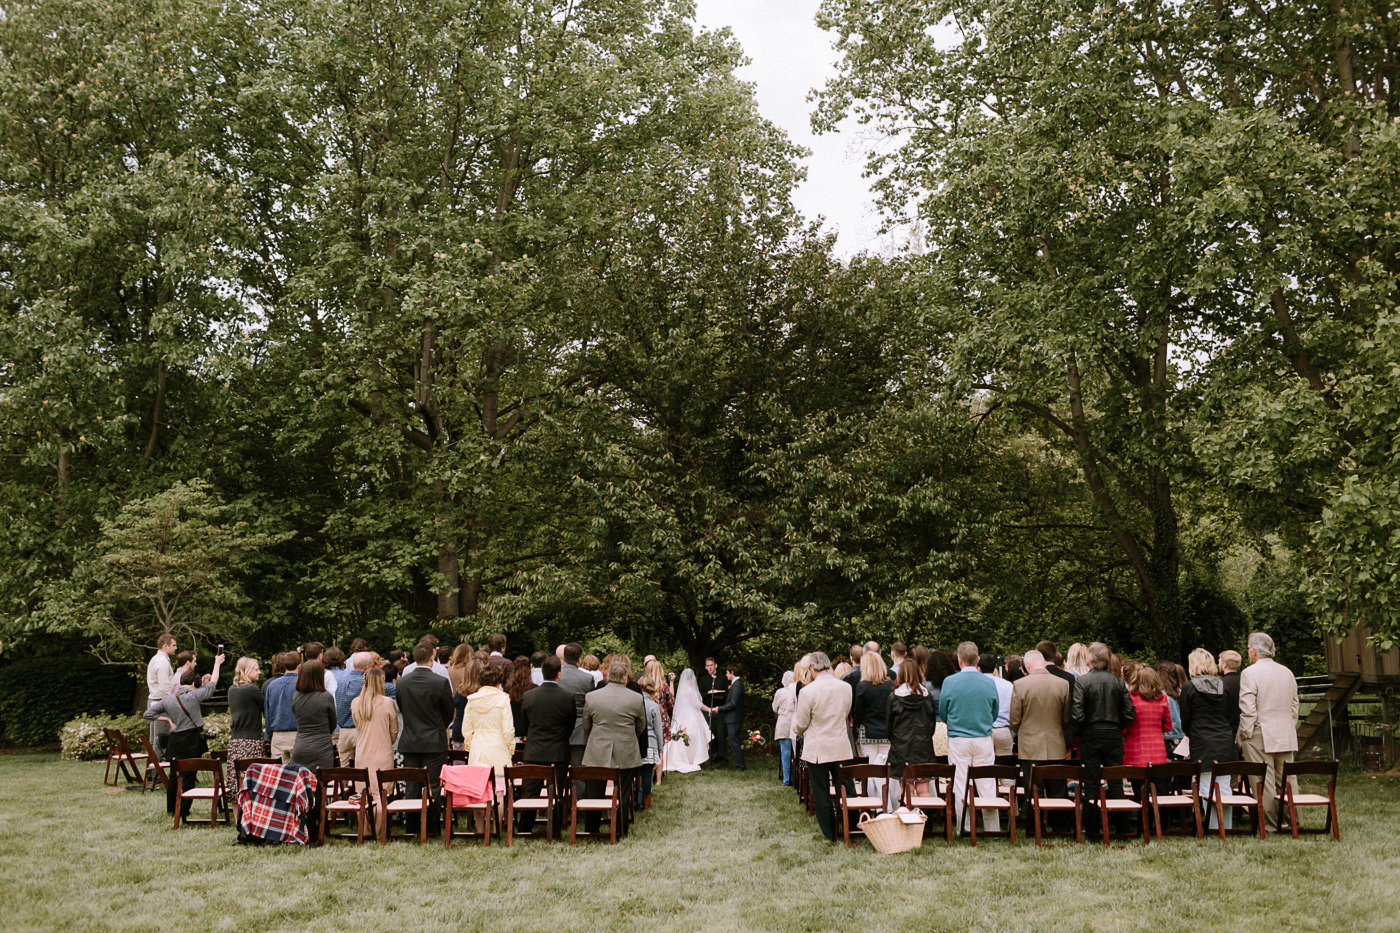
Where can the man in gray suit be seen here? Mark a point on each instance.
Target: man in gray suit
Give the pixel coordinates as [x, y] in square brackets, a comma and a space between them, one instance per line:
[578, 684]
[1268, 718]
[614, 718]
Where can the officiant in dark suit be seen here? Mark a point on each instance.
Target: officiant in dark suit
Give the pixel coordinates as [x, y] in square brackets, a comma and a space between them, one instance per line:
[425, 700]
[732, 712]
[712, 696]
[548, 711]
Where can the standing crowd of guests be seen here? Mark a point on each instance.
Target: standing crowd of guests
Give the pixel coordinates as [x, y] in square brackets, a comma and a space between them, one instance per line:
[322, 707]
[967, 708]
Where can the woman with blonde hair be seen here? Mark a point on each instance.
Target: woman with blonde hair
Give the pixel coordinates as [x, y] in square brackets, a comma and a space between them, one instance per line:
[869, 708]
[376, 728]
[651, 760]
[1205, 719]
[1077, 661]
[245, 712]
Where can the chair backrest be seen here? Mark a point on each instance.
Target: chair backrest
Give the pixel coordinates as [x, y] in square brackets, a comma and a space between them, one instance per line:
[927, 772]
[1174, 769]
[1010, 761]
[186, 765]
[1294, 768]
[387, 776]
[1250, 769]
[998, 772]
[1056, 773]
[240, 765]
[113, 745]
[150, 750]
[1122, 773]
[337, 781]
[862, 772]
[590, 773]
[458, 756]
[544, 773]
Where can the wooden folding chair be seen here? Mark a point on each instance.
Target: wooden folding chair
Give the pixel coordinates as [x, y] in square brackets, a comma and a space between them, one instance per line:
[214, 794]
[388, 779]
[458, 756]
[119, 752]
[975, 804]
[1290, 800]
[240, 767]
[863, 801]
[486, 808]
[1253, 772]
[1040, 805]
[1023, 794]
[1176, 773]
[1108, 805]
[938, 798]
[153, 764]
[341, 797]
[610, 803]
[516, 777]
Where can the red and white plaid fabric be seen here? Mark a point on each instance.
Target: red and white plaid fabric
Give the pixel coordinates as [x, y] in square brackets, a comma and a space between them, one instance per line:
[273, 800]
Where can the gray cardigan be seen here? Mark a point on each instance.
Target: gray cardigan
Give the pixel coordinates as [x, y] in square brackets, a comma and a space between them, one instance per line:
[183, 717]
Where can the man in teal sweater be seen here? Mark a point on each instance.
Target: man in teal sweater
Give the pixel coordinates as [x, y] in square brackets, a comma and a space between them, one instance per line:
[968, 705]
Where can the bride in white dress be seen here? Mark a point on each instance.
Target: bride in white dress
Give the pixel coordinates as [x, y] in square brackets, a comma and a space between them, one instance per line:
[686, 714]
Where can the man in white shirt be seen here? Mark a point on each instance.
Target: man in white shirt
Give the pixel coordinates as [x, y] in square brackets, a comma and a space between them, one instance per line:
[437, 666]
[536, 667]
[1001, 726]
[160, 678]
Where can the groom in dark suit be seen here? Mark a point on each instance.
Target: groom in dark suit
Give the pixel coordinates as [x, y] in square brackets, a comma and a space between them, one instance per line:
[425, 700]
[732, 712]
[549, 723]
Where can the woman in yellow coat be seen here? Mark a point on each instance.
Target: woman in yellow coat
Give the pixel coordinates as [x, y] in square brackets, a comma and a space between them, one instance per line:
[488, 728]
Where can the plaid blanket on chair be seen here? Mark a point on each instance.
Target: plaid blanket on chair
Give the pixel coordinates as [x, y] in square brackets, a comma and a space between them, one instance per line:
[273, 801]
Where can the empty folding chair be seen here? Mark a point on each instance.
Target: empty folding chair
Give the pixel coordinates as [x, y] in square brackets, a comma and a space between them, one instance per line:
[939, 797]
[1183, 780]
[609, 803]
[214, 794]
[1040, 805]
[517, 777]
[342, 797]
[389, 779]
[1253, 773]
[155, 768]
[977, 803]
[119, 753]
[1289, 799]
[1128, 805]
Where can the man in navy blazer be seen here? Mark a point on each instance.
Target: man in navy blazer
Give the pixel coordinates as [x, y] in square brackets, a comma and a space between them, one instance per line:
[733, 714]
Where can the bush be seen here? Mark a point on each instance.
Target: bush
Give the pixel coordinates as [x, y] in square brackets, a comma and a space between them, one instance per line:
[41, 694]
[83, 739]
[219, 725]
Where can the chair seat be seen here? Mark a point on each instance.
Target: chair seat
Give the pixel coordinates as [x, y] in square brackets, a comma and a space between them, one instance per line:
[927, 802]
[1056, 803]
[403, 806]
[1311, 799]
[344, 805]
[198, 793]
[991, 803]
[487, 805]
[863, 802]
[594, 804]
[532, 803]
[1118, 804]
[1175, 800]
[1230, 800]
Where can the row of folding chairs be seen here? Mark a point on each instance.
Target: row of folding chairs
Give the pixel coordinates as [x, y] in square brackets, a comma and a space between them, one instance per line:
[1175, 786]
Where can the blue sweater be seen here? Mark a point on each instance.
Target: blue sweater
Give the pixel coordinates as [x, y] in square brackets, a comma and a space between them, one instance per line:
[968, 704]
[278, 705]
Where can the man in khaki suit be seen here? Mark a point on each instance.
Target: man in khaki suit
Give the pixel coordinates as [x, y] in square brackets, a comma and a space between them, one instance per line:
[1268, 718]
[1039, 713]
[822, 708]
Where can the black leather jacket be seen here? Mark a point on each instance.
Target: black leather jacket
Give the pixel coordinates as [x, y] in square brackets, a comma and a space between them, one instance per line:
[1101, 701]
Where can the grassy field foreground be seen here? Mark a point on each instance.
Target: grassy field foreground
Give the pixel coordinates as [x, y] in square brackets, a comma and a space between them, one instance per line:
[719, 851]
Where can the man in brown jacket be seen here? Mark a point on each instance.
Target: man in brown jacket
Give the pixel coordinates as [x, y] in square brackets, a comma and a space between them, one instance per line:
[1039, 712]
[1268, 718]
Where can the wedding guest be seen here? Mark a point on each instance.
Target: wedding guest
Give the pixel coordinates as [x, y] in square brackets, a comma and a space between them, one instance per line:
[968, 704]
[346, 691]
[469, 683]
[850, 671]
[1077, 662]
[536, 663]
[160, 679]
[245, 711]
[430, 661]
[1230, 662]
[1013, 668]
[358, 645]
[784, 705]
[425, 701]
[614, 718]
[399, 660]
[334, 659]
[590, 665]
[822, 709]
[1206, 721]
[457, 664]
[314, 710]
[910, 715]
[1002, 741]
[666, 696]
[1172, 677]
[312, 651]
[578, 683]
[517, 683]
[646, 775]
[488, 728]
[942, 665]
[181, 709]
[1144, 742]
[1268, 718]
[869, 712]
[1040, 708]
[550, 716]
[1100, 710]
[281, 728]
[897, 655]
[496, 646]
[920, 655]
[376, 720]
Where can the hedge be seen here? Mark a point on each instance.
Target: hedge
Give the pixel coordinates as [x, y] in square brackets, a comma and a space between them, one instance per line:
[42, 694]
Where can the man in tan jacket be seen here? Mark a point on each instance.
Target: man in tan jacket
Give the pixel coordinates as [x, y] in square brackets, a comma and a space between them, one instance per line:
[1268, 718]
[822, 708]
[1039, 712]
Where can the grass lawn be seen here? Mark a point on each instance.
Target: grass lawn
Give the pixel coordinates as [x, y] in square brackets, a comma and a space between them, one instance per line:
[718, 851]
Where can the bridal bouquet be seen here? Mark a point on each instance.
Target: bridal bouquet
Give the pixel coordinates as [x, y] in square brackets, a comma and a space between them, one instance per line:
[680, 735]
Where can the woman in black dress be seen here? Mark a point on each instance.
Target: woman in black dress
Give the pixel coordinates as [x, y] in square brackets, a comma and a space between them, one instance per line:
[314, 709]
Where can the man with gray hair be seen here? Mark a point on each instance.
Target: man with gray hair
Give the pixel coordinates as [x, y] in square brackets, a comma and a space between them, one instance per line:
[820, 719]
[614, 718]
[1268, 718]
[1040, 704]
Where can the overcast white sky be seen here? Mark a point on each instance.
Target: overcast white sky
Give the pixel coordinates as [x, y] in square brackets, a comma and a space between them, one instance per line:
[791, 56]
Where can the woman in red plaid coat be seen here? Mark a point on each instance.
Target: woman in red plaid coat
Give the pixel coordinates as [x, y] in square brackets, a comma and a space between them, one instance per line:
[1143, 742]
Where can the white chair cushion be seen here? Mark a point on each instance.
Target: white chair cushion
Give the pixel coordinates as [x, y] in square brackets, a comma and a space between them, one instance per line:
[1231, 800]
[1114, 804]
[1311, 800]
[198, 793]
[863, 802]
[1056, 803]
[594, 805]
[1175, 800]
[532, 803]
[339, 805]
[991, 803]
[927, 802]
[403, 806]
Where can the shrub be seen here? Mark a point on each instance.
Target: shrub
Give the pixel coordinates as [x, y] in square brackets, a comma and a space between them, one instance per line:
[41, 694]
[83, 740]
[219, 725]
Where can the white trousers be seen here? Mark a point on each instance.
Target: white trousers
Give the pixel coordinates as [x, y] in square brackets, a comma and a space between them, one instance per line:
[964, 753]
[878, 755]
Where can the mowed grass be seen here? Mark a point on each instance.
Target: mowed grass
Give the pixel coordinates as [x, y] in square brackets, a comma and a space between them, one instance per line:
[718, 851]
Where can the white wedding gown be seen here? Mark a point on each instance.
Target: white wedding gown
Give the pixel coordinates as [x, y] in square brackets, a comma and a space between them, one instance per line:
[687, 715]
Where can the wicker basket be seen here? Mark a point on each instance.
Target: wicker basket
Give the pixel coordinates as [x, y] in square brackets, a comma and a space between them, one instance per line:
[889, 834]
